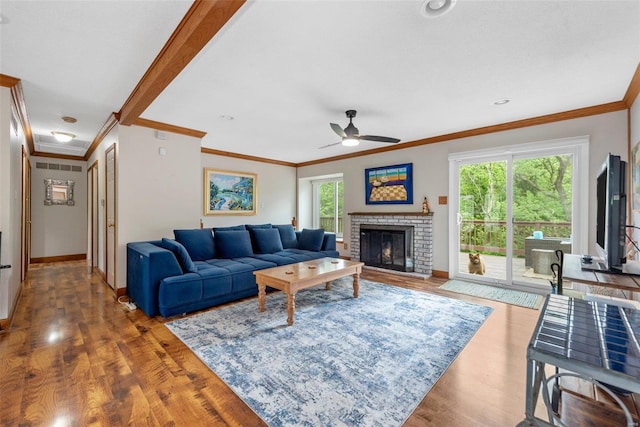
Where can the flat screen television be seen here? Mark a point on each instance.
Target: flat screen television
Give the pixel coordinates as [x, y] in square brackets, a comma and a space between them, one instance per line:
[611, 216]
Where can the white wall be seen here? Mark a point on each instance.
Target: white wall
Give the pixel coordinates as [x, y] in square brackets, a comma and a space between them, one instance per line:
[58, 230]
[608, 133]
[10, 204]
[276, 193]
[156, 193]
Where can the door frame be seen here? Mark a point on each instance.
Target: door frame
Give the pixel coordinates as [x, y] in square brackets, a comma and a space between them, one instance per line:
[25, 238]
[577, 146]
[92, 212]
[108, 203]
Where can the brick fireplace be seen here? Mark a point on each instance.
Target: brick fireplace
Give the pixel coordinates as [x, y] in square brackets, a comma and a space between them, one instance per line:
[421, 223]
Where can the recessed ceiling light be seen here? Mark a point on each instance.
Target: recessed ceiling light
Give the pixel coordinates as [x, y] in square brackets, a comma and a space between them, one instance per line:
[436, 8]
[69, 119]
[63, 136]
[226, 117]
[501, 101]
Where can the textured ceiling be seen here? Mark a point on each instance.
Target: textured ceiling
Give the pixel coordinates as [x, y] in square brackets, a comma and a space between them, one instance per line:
[283, 70]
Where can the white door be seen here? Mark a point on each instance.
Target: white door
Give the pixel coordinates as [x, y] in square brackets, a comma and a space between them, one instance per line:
[110, 207]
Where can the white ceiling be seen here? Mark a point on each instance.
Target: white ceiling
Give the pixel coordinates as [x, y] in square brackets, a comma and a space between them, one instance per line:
[285, 69]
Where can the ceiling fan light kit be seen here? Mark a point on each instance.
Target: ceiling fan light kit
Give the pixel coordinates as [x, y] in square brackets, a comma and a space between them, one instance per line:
[350, 142]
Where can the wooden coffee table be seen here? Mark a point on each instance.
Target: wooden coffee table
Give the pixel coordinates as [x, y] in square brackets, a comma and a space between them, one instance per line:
[293, 277]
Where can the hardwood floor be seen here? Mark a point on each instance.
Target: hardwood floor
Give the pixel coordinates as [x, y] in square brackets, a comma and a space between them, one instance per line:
[75, 356]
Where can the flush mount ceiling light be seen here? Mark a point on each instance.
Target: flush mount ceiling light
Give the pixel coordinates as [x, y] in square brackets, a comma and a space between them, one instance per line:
[502, 101]
[436, 8]
[62, 136]
[69, 119]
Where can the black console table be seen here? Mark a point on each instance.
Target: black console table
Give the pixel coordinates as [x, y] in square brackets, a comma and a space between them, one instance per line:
[594, 341]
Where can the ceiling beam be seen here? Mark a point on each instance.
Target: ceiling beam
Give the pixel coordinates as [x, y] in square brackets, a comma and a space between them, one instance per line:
[203, 20]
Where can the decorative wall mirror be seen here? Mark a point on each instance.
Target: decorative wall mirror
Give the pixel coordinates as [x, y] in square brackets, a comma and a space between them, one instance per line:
[58, 192]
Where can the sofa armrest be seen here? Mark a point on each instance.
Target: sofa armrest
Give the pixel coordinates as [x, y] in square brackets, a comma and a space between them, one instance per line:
[329, 242]
[147, 265]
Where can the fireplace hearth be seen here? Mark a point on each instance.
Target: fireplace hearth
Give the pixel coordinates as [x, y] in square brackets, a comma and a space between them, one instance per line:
[387, 246]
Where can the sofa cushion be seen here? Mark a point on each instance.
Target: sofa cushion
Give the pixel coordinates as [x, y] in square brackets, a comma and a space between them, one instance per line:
[233, 244]
[266, 240]
[311, 239]
[231, 228]
[287, 236]
[181, 254]
[198, 242]
[255, 226]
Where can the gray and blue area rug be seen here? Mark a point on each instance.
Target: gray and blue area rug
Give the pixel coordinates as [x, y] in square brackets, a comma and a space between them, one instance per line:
[345, 362]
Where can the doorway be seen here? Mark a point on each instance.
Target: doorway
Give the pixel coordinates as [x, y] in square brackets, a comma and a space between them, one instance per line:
[516, 206]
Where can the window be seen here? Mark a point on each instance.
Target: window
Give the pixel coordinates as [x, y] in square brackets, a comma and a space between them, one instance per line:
[327, 207]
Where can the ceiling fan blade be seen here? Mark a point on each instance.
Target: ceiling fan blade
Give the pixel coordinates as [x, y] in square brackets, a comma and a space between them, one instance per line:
[337, 129]
[379, 138]
[330, 145]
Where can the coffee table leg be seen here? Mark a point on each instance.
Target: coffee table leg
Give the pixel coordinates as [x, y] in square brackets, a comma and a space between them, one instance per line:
[356, 285]
[327, 286]
[261, 296]
[291, 308]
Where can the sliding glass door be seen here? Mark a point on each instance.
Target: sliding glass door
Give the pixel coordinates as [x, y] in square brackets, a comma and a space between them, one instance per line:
[513, 210]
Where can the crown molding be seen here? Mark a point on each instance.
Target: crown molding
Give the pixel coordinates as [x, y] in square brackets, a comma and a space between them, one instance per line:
[21, 109]
[102, 133]
[57, 156]
[633, 89]
[201, 22]
[8, 81]
[534, 121]
[246, 157]
[169, 128]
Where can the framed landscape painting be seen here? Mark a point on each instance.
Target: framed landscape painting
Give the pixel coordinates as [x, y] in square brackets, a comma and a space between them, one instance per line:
[229, 193]
[389, 185]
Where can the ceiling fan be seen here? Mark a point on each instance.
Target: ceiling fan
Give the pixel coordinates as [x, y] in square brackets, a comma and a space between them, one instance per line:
[351, 136]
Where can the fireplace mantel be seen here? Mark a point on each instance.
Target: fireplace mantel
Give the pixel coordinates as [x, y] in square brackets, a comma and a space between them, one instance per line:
[391, 213]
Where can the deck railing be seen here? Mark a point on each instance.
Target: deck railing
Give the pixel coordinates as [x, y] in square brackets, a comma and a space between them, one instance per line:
[328, 223]
[490, 236]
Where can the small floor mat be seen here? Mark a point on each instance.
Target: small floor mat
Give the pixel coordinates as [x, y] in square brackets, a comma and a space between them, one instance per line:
[509, 296]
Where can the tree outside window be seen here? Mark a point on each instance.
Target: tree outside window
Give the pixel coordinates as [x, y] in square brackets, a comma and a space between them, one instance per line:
[329, 206]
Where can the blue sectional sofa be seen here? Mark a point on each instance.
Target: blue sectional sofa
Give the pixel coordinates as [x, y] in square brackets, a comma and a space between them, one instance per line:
[202, 268]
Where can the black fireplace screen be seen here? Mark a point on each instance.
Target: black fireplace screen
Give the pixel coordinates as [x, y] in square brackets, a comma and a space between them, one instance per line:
[387, 246]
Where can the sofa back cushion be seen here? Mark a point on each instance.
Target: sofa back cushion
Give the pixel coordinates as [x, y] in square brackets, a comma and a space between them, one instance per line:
[252, 227]
[287, 236]
[185, 261]
[231, 228]
[266, 240]
[198, 242]
[233, 244]
[311, 239]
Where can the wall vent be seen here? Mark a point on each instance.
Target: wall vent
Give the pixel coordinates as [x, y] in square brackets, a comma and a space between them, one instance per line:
[57, 166]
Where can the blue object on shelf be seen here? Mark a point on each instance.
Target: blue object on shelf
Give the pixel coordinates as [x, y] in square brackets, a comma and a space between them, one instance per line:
[537, 235]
